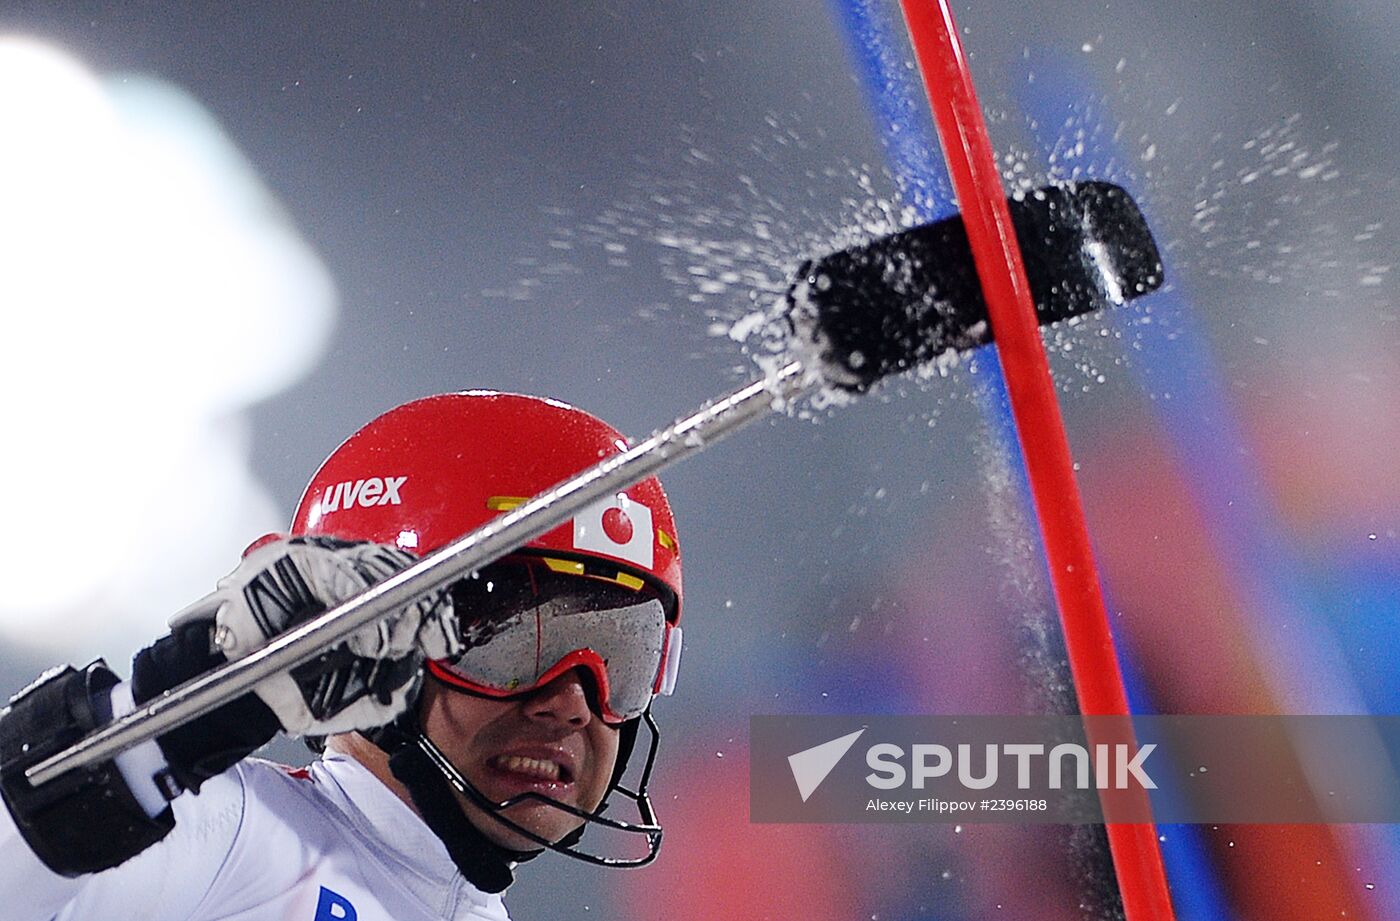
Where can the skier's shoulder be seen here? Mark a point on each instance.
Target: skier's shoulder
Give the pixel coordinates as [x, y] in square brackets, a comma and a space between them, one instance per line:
[250, 817]
[275, 795]
[261, 822]
[261, 777]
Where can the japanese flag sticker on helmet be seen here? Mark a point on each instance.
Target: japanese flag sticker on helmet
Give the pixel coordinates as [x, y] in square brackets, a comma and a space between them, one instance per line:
[617, 527]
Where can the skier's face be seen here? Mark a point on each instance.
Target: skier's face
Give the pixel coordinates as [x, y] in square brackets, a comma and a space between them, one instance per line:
[548, 741]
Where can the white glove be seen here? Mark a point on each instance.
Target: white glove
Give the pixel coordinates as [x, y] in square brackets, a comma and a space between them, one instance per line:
[363, 682]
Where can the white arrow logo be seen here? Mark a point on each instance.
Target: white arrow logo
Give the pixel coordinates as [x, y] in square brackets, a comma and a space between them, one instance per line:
[810, 767]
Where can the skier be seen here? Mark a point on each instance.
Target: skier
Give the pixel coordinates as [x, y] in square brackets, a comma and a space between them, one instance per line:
[462, 735]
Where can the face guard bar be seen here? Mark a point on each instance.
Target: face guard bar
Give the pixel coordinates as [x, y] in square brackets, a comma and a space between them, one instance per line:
[647, 827]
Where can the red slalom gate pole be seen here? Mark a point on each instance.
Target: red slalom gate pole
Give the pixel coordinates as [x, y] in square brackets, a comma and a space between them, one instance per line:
[1098, 679]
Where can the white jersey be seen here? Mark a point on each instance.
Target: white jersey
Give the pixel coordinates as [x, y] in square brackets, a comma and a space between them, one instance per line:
[264, 843]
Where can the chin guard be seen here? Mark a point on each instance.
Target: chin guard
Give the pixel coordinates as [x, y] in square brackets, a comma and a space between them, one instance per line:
[648, 826]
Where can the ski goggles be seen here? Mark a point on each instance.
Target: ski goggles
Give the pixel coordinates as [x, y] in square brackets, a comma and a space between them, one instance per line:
[523, 624]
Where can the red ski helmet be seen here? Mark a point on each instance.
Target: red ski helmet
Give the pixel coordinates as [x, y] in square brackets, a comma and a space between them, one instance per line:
[427, 472]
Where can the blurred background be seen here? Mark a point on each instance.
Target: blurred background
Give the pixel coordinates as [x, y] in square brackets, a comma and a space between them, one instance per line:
[232, 233]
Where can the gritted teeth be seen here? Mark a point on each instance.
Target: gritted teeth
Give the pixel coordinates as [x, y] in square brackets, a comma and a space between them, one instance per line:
[538, 768]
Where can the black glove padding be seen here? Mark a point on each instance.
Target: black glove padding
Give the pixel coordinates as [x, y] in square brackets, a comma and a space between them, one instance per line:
[361, 683]
[86, 819]
[212, 742]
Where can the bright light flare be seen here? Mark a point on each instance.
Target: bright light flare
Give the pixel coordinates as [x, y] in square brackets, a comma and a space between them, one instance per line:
[150, 289]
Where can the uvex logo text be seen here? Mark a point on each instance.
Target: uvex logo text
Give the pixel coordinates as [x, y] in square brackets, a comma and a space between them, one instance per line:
[364, 493]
